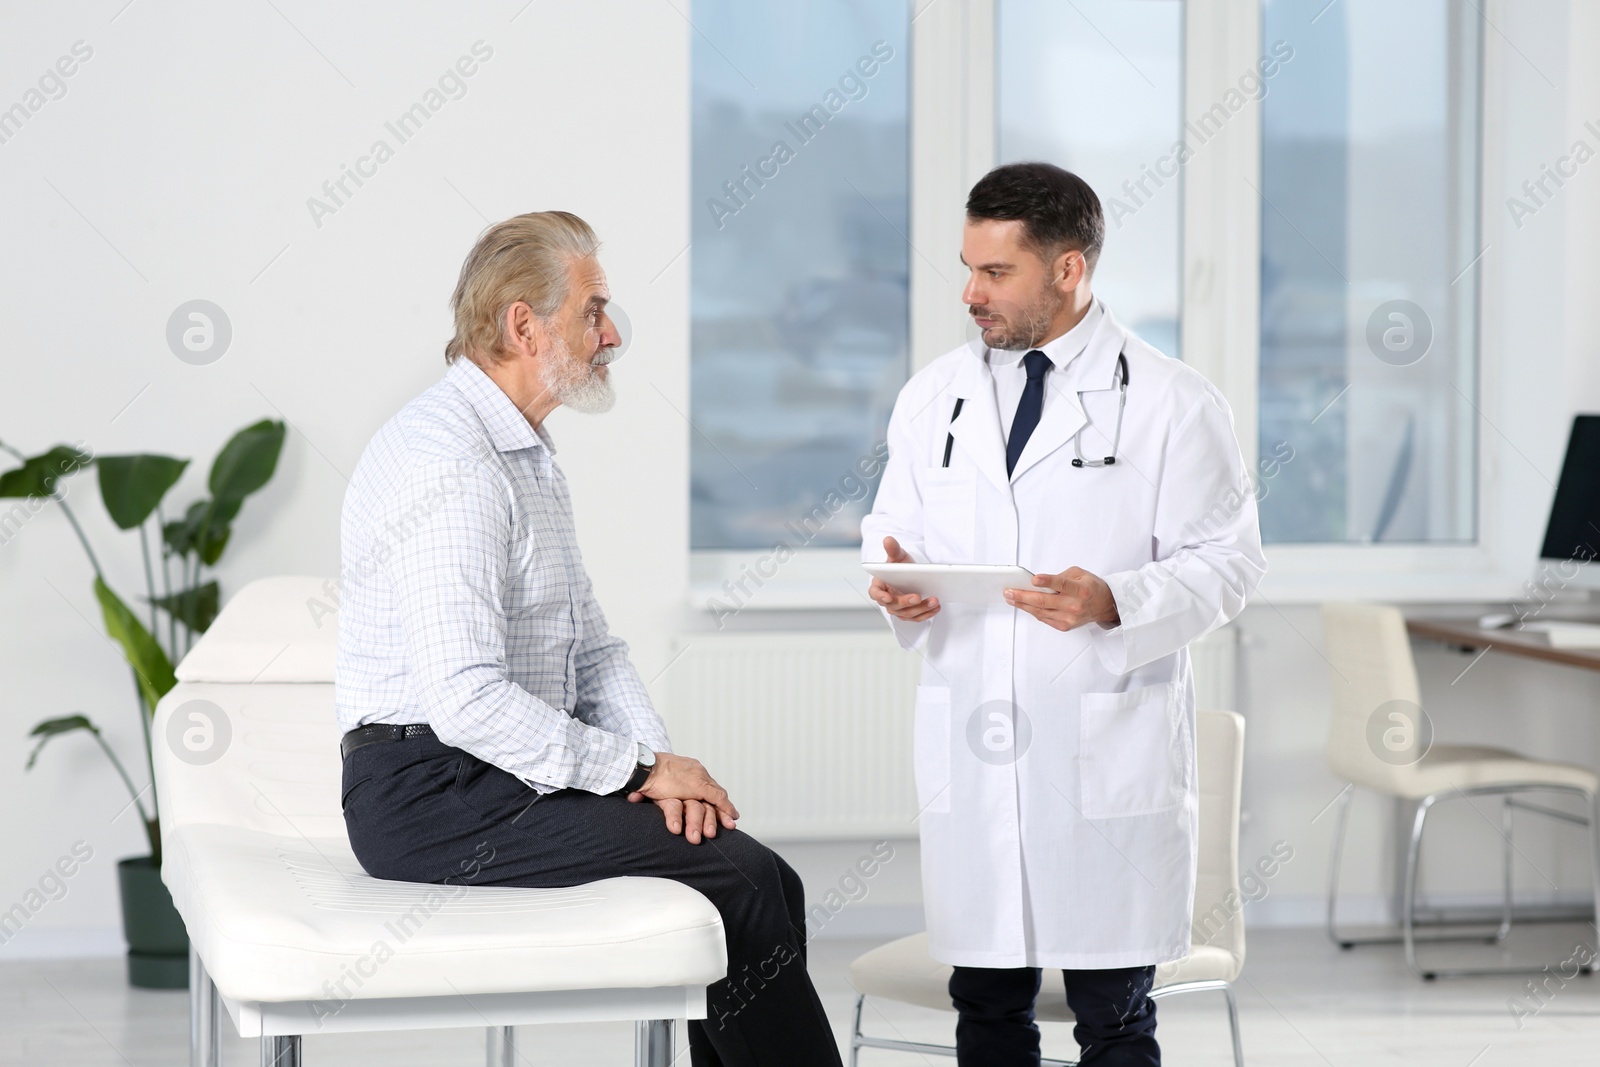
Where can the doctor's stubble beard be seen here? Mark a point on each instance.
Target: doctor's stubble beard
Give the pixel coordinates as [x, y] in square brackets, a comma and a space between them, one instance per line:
[1030, 326]
[577, 383]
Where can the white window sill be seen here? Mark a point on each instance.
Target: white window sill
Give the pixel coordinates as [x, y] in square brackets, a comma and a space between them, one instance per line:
[1310, 574]
[832, 579]
[813, 579]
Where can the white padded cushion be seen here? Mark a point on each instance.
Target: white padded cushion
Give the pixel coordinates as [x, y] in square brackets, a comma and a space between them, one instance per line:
[1445, 768]
[1370, 653]
[1204, 963]
[260, 868]
[280, 629]
[274, 917]
[903, 971]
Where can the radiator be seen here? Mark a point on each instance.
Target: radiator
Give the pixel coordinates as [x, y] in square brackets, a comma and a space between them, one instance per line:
[810, 731]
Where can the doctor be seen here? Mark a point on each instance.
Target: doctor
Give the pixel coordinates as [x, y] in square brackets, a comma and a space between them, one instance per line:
[1054, 731]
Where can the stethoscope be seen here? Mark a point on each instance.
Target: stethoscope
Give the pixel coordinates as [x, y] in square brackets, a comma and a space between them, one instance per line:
[1077, 445]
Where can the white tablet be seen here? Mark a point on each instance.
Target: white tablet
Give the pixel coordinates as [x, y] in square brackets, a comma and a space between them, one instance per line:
[955, 583]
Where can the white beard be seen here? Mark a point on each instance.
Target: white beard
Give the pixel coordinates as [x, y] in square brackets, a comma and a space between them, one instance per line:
[575, 384]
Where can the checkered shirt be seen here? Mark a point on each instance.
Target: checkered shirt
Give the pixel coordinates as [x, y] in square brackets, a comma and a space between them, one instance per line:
[464, 603]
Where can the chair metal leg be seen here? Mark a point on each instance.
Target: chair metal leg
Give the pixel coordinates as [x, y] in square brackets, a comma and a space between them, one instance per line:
[501, 1045]
[1594, 864]
[1340, 819]
[1340, 825]
[653, 1043]
[855, 1032]
[1408, 907]
[205, 1015]
[1233, 1026]
[1408, 919]
[280, 1050]
[1505, 833]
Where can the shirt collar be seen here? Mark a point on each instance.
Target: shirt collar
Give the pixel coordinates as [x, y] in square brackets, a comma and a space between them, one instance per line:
[1064, 348]
[508, 429]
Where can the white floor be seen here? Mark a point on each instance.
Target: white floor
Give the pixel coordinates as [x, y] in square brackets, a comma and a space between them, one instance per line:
[1302, 1002]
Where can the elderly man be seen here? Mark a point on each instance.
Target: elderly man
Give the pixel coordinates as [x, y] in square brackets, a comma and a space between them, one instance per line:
[487, 710]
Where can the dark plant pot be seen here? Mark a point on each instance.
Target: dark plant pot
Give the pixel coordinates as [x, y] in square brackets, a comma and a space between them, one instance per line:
[158, 944]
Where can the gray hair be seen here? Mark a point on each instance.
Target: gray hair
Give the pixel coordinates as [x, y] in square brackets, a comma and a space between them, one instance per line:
[524, 258]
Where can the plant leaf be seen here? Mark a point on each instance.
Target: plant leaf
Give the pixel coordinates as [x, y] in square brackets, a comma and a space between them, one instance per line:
[216, 528]
[214, 542]
[196, 608]
[181, 535]
[247, 461]
[132, 486]
[38, 474]
[52, 727]
[224, 510]
[204, 529]
[144, 655]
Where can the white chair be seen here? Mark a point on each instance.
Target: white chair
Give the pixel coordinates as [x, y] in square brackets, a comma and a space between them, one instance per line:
[903, 971]
[292, 937]
[1374, 678]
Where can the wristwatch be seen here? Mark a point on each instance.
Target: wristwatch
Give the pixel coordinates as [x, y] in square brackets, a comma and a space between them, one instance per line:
[647, 762]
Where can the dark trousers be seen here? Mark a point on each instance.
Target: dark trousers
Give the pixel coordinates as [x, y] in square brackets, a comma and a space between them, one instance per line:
[1116, 1017]
[419, 810]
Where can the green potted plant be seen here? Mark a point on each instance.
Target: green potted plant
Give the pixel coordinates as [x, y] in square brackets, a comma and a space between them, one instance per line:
[132, 488]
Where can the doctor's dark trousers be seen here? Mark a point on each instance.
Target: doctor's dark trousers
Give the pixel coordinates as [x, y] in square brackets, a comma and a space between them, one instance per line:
[1116, 1019]
[419, 810]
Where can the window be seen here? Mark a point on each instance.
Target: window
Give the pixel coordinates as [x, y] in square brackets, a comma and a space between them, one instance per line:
[1317, 195]
[1119, 137]
[1369, 240]
[799, 265]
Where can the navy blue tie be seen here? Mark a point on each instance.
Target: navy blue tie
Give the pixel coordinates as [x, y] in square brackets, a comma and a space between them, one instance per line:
[1028, 408]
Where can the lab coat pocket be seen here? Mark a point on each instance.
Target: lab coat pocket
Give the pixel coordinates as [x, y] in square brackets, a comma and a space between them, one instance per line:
[949, 513]
[931, 748]
[1131, 756]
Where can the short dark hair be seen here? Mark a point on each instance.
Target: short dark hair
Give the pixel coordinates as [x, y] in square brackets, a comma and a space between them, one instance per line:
[1057, 208]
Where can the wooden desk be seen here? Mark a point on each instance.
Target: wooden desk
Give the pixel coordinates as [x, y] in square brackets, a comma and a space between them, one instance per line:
[1466, 633]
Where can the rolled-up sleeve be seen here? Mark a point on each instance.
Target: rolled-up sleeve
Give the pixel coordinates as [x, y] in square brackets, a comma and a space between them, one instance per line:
[449, 535]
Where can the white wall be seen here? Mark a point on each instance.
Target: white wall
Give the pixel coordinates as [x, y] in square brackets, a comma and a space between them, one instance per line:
[178, 165]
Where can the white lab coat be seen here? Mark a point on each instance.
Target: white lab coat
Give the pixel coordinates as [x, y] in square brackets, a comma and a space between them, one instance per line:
[1063, 835]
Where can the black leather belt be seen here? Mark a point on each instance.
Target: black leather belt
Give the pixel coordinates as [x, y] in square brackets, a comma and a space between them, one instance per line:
[381, 731]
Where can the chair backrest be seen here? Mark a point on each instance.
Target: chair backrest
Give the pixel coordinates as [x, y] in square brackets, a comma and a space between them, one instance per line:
[1218, 900]
[1370, 667]
[248, 736]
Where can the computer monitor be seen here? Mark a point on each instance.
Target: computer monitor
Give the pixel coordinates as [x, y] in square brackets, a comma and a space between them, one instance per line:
[1571, 552]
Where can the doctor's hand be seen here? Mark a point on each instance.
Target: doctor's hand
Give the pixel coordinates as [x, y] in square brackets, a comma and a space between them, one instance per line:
[907, 606]
[690, 798]
[1075, 597]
